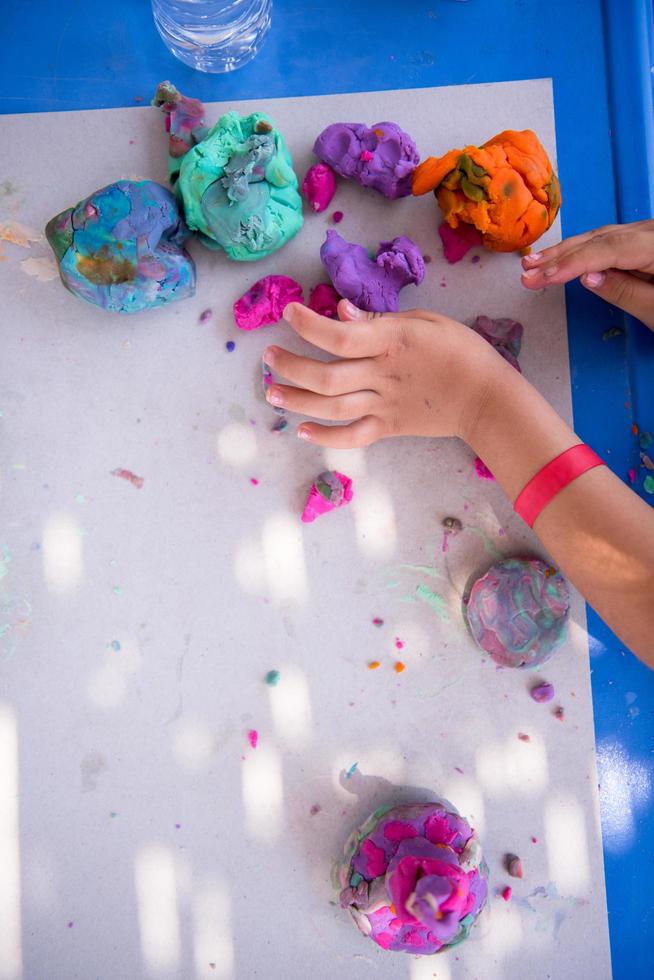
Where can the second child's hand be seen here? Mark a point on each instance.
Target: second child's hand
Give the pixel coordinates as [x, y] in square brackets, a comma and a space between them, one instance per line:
[616, 262]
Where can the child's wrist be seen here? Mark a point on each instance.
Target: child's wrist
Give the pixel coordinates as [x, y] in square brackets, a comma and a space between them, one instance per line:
[488, 381]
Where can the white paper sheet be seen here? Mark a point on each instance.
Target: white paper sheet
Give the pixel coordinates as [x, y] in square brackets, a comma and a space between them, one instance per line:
[140, 835]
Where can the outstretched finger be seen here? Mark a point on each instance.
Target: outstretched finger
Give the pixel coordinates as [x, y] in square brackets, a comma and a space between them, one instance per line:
[363, 432]
[323, 377]
[336, 408]
[356, 338]
[616, 250]
[555, 252]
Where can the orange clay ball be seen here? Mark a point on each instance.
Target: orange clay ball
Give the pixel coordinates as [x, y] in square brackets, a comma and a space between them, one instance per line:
[506, 188]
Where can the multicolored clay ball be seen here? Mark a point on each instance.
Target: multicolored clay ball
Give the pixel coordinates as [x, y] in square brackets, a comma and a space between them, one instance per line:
[518, 612]
[413, 878]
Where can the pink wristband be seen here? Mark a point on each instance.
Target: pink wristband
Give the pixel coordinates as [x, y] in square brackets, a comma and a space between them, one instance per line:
[553, 477]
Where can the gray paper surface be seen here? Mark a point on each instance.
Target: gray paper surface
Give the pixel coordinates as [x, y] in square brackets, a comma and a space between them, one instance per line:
[140, 834]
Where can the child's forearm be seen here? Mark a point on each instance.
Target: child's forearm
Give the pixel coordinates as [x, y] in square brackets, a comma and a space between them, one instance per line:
[598, 531]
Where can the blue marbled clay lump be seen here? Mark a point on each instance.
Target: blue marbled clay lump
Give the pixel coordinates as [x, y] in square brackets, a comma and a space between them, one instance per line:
[122, 248]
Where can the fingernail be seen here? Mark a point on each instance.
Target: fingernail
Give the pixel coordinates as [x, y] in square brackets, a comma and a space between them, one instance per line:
[530, 273]
[353, 312]
[274, 396]
[552, 271]
[533, 258]
[269, 355]
[594, 279]
[303, 434]
[289, 311]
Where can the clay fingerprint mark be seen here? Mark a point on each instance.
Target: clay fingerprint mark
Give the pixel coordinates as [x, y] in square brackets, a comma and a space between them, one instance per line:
[92, 766]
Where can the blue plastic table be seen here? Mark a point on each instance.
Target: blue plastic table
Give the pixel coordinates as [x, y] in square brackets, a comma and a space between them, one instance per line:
[74, 55]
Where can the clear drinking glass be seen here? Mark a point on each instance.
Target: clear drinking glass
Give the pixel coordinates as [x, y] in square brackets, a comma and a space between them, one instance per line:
[213, 35]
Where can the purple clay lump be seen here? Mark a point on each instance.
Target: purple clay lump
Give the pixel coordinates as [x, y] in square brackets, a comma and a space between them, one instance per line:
[504, 334]
[382, 156]
[372, 284]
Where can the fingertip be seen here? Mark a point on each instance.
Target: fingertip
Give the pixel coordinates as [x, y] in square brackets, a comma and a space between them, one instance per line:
[291, 310]
[530, 278]
[348, 311]
[532, 259]
[593, 280]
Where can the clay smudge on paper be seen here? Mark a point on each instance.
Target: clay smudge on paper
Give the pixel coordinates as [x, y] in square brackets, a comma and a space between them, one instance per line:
[253, 737]
[5, 561]
[17, 234]
[489, 545]
[424, 569]
[434, 601]
[273, 678]
[351, 771]
[44, 268]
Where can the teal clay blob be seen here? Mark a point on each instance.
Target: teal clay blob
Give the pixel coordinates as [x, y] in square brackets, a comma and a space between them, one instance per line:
[239, 190]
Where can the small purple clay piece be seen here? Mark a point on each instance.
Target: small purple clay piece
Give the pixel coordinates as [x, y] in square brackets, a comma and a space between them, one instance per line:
[324, 300]
[382, 157]
[205, 316]
[319, 186]
[230, 345]
[265, 301]
[337, 217]
[457, 242]
[542, 693]
[503, 334]
[372, 285]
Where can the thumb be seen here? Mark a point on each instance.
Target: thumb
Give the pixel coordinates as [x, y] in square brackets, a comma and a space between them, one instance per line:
[630, 293]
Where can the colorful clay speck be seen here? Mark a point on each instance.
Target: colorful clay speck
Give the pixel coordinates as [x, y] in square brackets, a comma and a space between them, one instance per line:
[382, 157]
[372, 284]
[518, 611]
[413, 878]
[542, 693]
[265, 301]
[122, 248]
[330, 490]
[239, 189]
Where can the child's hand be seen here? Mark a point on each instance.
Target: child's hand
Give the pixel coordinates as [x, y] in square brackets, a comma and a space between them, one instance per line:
[413, 373]
[616, 262]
